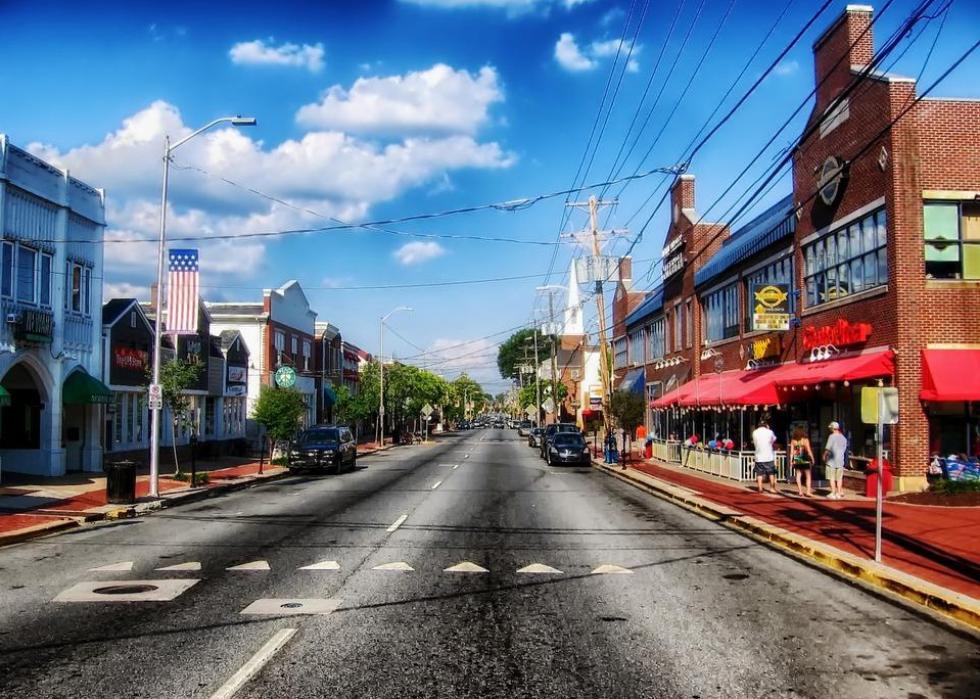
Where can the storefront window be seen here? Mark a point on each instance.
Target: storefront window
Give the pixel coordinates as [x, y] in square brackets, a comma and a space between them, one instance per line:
[119, 406]
[130, 416]
[721, 313]
[952, 240]
[26, 260]
[7, 270]
[657, 346]
[621, 352]
[847, 260]
[636, 347]
[140, 407]
[210, 404]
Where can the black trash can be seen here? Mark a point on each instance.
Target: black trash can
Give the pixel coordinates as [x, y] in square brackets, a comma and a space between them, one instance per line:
[120, 482]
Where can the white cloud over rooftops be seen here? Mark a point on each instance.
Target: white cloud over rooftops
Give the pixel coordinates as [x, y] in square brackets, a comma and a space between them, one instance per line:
[418, 251]
[260, 53]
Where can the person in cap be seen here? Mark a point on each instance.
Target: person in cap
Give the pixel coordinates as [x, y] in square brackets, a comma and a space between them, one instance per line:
[833, 456]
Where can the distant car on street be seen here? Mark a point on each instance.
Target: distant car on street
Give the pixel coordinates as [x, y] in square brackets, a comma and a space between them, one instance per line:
[553, 429]
[323, 447]
[523, 427]
[534, 437]
[568, 448]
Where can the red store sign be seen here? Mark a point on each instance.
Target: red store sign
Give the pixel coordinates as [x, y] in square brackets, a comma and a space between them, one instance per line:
[129, 358]
[840, 334]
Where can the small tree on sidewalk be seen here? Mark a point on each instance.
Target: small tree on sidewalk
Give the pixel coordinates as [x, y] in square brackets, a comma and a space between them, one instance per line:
[280, 411]
[176, 376]
[627, 409]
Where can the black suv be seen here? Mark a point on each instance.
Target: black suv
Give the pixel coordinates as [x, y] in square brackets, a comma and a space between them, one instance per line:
[551, 430]
[323, 446]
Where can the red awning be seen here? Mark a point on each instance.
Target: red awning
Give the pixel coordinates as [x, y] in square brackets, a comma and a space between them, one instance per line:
[950, 375]
[738, 387]
[867, 365]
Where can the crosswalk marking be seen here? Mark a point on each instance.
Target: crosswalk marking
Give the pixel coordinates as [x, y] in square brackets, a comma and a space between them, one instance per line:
[466, 567]
[253, 565]
[190, 565]
[397, 565]
[115, 567]
[397, 523]
[322, 565]
[607, 569]
[538, 568]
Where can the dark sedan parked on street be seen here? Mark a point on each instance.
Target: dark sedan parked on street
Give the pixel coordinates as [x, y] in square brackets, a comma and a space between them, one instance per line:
[568, 448]
[322, 447]
[534, 436]
[551, 430]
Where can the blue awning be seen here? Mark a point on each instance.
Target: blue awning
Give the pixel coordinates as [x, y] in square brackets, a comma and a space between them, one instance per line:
[772, 225]
[652, 304]
[329, 395]
[634, 381]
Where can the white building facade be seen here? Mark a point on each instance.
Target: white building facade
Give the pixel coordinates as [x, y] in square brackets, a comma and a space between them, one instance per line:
[51, 403]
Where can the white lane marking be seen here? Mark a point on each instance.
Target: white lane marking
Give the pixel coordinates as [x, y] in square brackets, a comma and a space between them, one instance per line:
[190, 565]
[608, 569]
[254, 664]
[397, 523]
[292, 605]
[455, 466]
[438, 483]
[537, 568]
[322, 565]
[466, 456]
[116, 567]
[160, 591]
[253, 565]
[466, 567]
[397, 565]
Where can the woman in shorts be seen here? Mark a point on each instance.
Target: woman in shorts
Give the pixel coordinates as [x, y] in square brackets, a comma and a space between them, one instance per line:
[801, 456]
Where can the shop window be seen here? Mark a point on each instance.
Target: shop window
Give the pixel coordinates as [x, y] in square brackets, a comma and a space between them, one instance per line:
[26, 274]
[678, 327]
[951, 232]
[620, 352]
[294, 346]
[636, 355]
[307, 352]
[130, 417]
[688, 325]
[44, 283]
[138, 427]
[655, 335]
[119, 401]
[86, 291]
[721, 313]
[210, 405]
[7, 270]
[848, 260]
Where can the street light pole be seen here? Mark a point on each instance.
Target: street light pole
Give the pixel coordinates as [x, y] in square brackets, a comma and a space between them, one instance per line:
[158, 302]
[381, 370]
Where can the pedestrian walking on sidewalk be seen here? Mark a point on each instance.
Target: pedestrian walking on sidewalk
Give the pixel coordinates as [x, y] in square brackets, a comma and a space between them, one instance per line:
[833, 457]
[763, 439]
[801, 455]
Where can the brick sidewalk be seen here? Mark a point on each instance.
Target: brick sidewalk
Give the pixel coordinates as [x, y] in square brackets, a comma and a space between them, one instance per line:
[937, 544]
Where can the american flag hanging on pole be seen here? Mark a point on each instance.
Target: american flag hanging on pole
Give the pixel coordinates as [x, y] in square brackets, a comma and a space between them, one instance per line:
[182, 292]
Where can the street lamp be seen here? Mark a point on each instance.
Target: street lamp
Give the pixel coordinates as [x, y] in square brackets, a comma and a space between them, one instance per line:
[381, 369]
[155, 412]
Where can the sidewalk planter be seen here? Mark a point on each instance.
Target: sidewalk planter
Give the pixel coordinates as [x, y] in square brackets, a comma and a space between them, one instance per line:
[120, 482]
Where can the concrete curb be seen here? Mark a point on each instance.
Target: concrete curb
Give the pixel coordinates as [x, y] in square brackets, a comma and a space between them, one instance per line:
[923, 595]
[37, 530]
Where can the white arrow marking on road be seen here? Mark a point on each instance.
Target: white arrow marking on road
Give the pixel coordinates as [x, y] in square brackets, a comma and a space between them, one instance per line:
[438, 483]
[323, 565]
[397, 523]
[539, 568]
[466, 567]
[254, 565]
[607, 569]
[191, 565]
[398, 565]
[254, 664]
[123, 565]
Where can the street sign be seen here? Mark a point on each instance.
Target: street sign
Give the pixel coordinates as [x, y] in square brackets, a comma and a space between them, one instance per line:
[155, 403]
[285, 377]
[529, 411]
[869, 405]
[549, 406]
[427, 410]
[155, 390]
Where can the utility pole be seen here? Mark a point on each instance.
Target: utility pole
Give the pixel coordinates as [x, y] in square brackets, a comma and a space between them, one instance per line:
[594, 238]
[551, 291]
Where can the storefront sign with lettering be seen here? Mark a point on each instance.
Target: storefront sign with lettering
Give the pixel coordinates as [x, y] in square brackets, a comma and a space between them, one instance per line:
[236, 374]
[765, 348]
[35, 326]
[770, 307]
[840, 334]
[130, 358]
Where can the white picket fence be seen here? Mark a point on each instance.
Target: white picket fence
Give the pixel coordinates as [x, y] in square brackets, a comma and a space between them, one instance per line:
[737, 465]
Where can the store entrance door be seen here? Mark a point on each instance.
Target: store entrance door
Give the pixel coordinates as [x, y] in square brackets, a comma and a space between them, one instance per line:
[74, 437]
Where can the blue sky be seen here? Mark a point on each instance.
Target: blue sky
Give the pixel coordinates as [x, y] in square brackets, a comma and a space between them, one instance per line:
[389, 108]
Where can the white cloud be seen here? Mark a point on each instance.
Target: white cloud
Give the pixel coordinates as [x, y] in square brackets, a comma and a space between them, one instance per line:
[514, 7]
[418, 251]
[125, 290]
[257, 52]
[570, 56]
[439, 99]
[575, 58]
[784, 68]
[451, 357]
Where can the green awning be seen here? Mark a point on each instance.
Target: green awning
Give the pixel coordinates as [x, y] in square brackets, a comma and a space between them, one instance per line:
[4, 396]
[82, 389]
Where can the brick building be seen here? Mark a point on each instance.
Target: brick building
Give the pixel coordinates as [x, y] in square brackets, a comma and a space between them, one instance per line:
[881, 238]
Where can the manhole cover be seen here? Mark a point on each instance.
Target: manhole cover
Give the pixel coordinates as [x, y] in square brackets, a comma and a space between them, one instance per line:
[291, 605]
[124, 589]
[735, 576]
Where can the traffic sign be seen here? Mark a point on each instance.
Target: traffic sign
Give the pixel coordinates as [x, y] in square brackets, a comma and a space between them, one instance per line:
[285, 377]
[529, 411]
[870, 405]
[155, 403]
[155, 390]
[427, 410]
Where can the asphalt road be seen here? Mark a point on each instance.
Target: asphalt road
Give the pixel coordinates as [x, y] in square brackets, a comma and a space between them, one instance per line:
[701, 612]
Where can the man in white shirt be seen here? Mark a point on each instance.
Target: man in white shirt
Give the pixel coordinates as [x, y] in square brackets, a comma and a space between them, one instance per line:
[765, 457]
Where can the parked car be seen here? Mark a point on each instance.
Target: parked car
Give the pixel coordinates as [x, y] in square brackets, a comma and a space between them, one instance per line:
[568, 448]
[553, 429]
[534, 436]
[523, 427]
[322, 447]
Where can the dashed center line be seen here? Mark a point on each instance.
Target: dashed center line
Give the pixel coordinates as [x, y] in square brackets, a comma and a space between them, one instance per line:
[438, 483]
[397, 523]
[254, 664]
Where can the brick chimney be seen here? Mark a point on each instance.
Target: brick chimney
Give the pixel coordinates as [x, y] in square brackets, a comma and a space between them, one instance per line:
[847, 42]
[626, 269]
[682, 195]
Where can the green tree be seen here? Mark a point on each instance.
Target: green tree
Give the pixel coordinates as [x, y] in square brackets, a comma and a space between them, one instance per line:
[280, 411]
[176, 376]
[628, 410]
[513, 350]
[461, 390]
